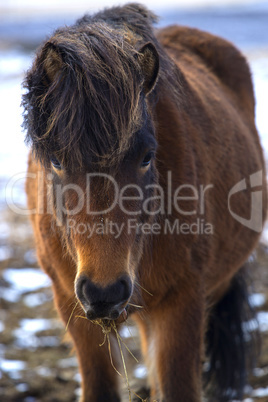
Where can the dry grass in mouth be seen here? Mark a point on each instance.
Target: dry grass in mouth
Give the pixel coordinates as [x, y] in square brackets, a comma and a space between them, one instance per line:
[107, 327]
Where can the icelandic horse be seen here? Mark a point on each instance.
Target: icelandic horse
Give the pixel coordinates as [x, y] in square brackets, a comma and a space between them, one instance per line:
[150, 133]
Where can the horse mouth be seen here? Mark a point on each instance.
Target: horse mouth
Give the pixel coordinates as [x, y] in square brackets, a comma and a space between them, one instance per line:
[123, 316]
[115, 316]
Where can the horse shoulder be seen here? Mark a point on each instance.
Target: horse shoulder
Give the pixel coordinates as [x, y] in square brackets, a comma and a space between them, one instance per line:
[221, 57]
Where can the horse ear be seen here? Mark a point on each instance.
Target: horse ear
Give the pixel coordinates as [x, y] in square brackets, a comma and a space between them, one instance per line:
[149, 62]
[52, 62]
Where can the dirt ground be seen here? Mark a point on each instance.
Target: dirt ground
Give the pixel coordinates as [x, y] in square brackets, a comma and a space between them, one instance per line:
[35, 363]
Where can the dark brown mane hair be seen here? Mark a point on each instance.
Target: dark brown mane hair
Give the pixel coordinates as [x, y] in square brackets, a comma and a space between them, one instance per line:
[84, 97]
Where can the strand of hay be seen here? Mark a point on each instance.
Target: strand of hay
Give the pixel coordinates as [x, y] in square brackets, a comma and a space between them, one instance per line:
[137, 283]
[120, 340]
[123, 360]
[135, 305]
[67, 325]
[107, 329]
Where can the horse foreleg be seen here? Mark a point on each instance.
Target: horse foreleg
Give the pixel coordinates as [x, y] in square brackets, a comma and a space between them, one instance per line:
[99, 378]
[178, 340]
[145, 330]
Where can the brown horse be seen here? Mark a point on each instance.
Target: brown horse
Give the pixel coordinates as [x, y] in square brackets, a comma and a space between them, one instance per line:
[148, 163]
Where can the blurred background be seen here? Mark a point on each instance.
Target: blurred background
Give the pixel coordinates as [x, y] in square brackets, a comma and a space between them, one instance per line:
[35, 364]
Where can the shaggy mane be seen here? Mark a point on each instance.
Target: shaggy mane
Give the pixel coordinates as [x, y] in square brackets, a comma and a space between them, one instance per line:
[84, 95]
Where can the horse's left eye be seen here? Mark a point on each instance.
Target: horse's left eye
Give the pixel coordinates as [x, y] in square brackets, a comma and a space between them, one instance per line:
[55, 163]
[147, 159]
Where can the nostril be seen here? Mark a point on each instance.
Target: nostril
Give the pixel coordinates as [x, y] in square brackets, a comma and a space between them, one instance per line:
[82, 289]
[125, 288]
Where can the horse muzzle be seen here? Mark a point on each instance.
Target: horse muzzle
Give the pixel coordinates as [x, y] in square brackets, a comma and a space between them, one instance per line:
[104, 302]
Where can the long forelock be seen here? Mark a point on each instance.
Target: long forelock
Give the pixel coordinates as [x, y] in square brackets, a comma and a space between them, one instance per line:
[92, 106]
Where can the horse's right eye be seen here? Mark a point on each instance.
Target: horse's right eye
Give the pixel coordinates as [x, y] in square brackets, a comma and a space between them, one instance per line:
[55, 163]
[147, 159]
